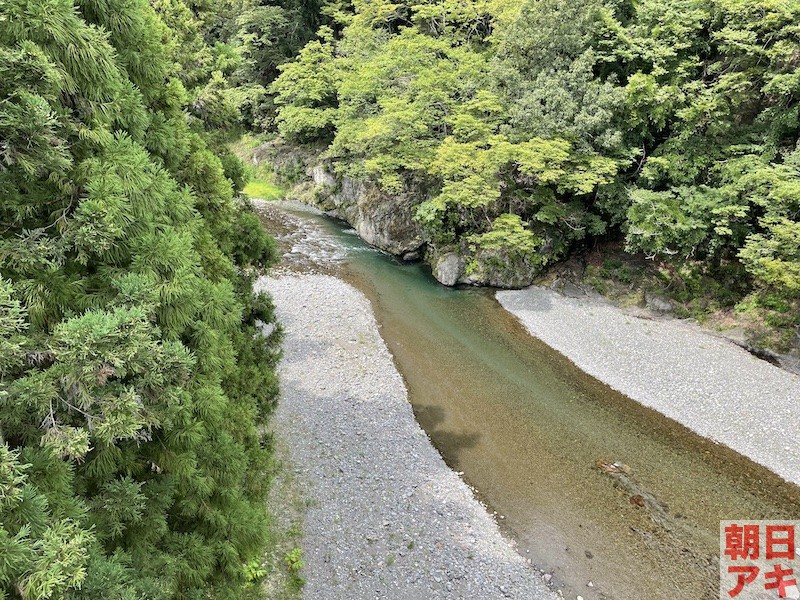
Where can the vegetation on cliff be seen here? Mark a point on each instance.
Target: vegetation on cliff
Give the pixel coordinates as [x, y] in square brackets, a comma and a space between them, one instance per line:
[547, 126]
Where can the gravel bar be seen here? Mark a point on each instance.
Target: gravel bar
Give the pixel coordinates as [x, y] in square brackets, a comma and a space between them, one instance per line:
[387, 518]
[707, 383]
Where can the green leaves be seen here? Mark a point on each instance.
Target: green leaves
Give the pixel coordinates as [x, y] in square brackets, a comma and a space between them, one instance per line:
[546, 67]
[306, 91]
[58, 562]
[13, 324]
[678, 222]
[773, 257]
[672, 124]
[133, 383]
[108, 375]
[508, 233]
[41, 555]
[119, 505]
[428, 106]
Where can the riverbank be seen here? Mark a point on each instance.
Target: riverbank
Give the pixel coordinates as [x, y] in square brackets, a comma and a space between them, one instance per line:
[387, 517]
[706, 383]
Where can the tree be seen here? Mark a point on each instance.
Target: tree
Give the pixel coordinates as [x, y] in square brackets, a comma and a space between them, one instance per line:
[545, 125]
[133, 384]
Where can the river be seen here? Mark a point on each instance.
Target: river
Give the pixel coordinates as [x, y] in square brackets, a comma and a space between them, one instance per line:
[610, 498]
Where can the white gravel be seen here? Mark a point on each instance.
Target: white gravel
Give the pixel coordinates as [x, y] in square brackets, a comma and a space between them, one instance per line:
[708, 384]
[387, 517]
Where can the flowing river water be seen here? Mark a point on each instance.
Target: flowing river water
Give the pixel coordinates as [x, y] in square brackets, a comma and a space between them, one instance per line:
[610, 498]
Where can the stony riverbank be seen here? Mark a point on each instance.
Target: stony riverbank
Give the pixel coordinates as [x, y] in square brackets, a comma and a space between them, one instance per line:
[387, 517]
[709, 384]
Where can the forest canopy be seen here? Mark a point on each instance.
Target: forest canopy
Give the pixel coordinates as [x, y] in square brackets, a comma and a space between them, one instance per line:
[543, 126]
[134, 379]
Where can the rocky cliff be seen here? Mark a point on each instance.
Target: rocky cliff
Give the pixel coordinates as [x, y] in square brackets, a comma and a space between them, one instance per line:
[387, 222]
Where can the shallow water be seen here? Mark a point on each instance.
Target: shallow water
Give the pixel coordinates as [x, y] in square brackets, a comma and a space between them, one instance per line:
[527, 429]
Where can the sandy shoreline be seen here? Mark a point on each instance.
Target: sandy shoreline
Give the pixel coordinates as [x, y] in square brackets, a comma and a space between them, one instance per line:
[708, 384]
[387, 518]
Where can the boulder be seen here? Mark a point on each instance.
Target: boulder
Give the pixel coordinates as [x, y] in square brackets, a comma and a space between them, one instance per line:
[656, 303]
[498, 268]
[448, 268]
[383, 221]
[454, 265]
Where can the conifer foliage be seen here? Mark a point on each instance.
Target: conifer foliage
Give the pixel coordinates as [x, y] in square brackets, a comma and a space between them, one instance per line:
[134, 381]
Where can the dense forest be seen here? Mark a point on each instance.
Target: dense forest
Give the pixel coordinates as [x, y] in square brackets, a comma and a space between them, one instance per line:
[134, 379]
[134, 382]
[530, 130]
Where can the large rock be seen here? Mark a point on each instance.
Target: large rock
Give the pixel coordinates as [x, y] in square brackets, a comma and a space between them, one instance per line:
[382, 220]
[498, 268]
[322, 177]
[495, 268]
[448, 268]
[657, 303]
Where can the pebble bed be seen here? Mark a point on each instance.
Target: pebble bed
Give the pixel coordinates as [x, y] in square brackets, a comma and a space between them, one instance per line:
[707, 383]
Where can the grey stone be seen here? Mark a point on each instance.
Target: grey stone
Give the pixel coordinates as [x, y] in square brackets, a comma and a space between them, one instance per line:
[321, 176]
[448, 268]
[657, 303]
[380, 220]
[498, 268]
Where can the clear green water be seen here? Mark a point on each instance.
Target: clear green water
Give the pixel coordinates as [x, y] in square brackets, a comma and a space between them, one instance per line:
[527, 428]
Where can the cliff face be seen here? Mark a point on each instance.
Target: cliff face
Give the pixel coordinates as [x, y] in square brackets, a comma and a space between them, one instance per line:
[383, 221]
[387, 222]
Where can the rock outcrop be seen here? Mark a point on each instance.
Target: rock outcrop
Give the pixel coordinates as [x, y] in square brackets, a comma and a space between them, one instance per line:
[387, 222]
[383, 221]
[496, 268]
